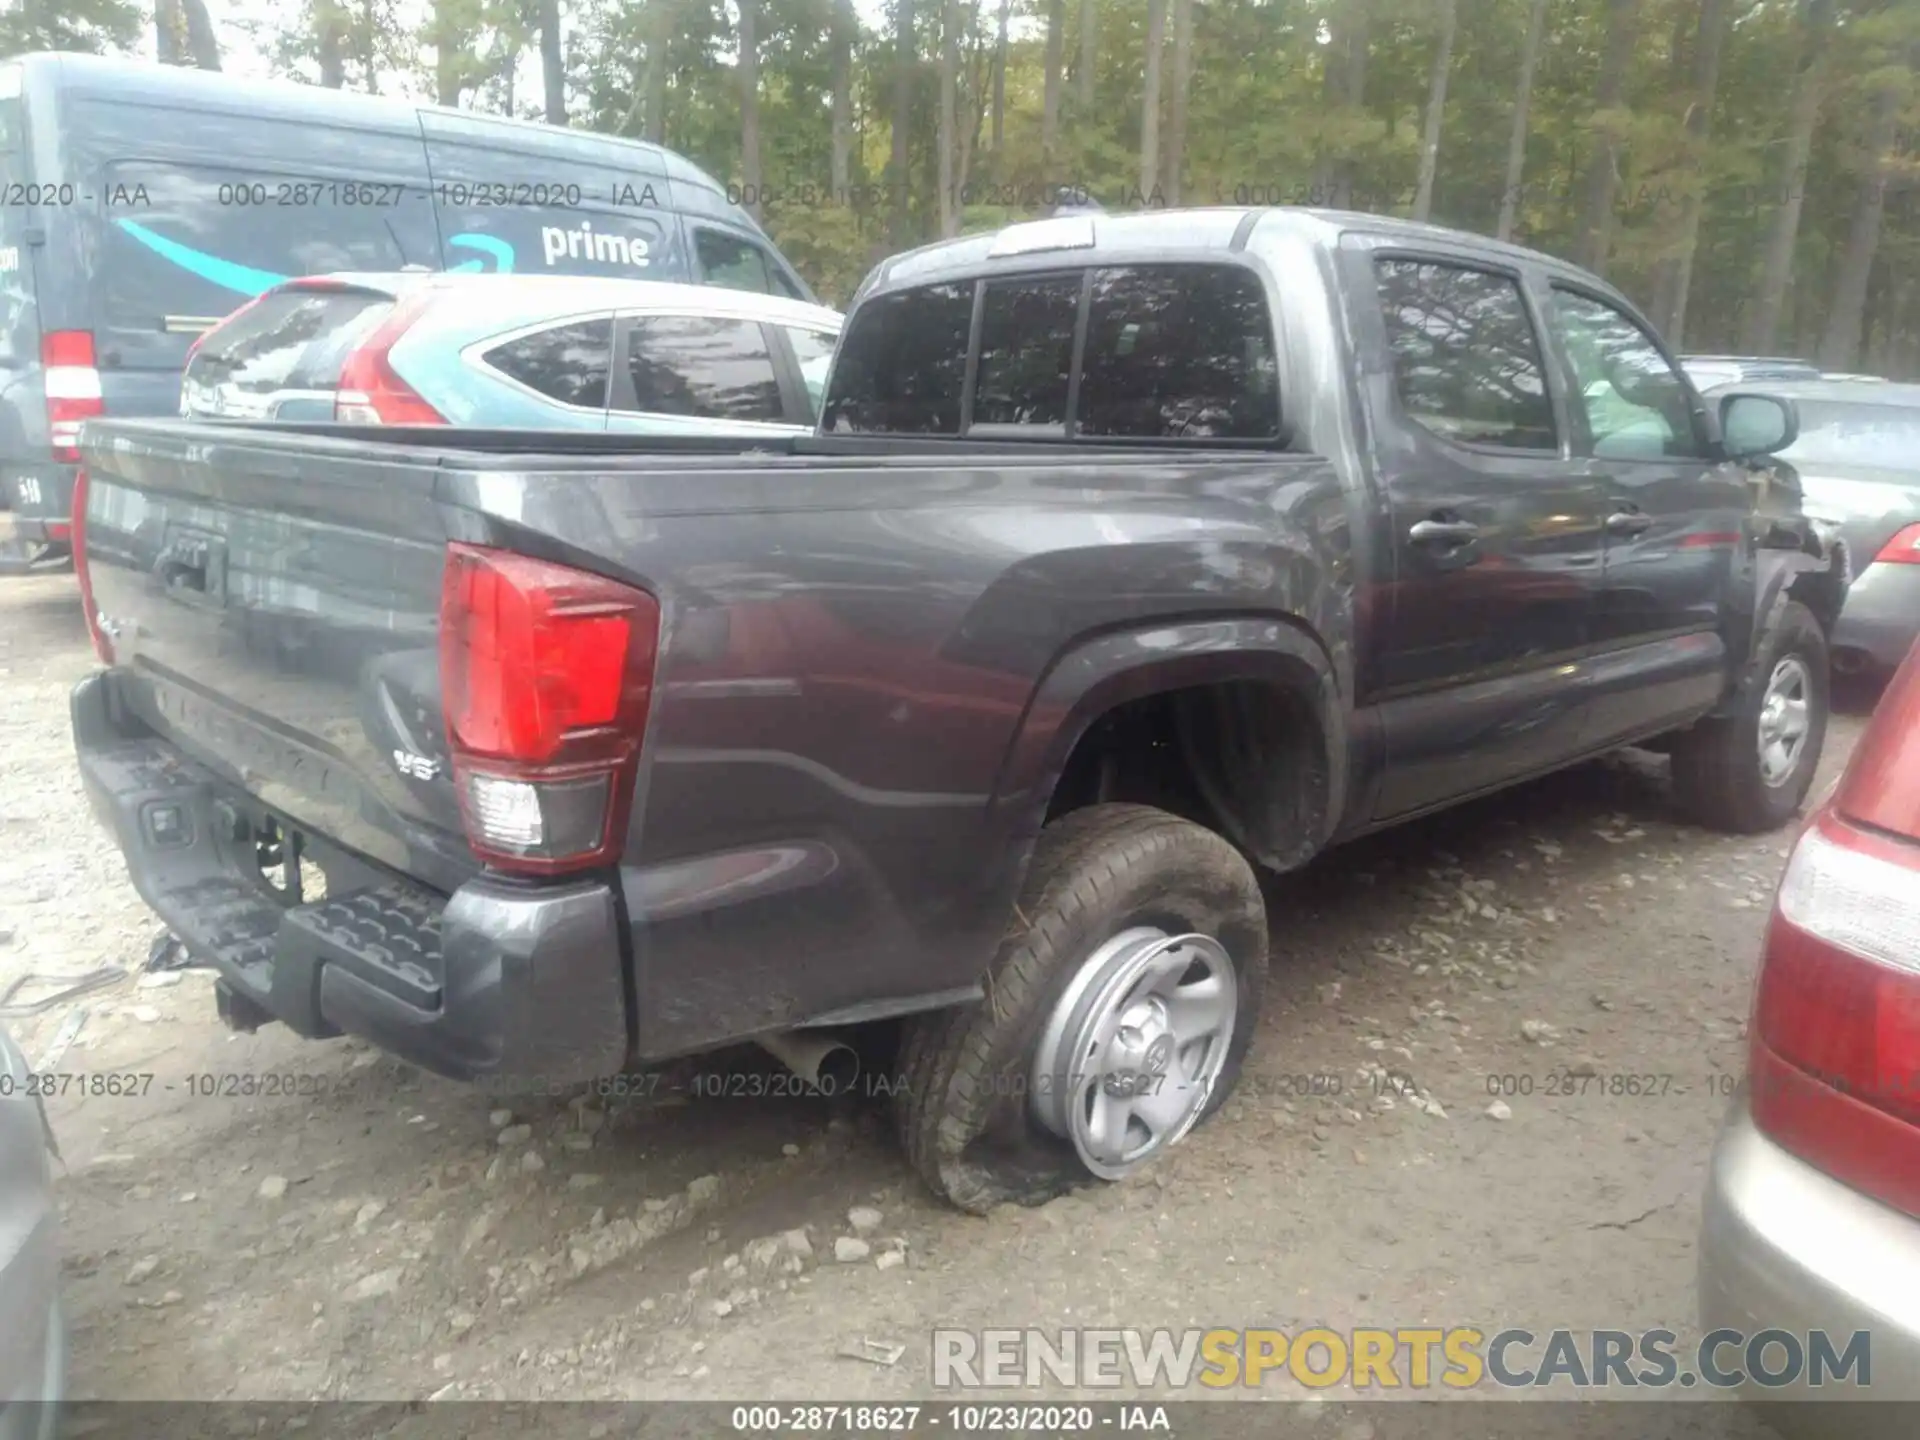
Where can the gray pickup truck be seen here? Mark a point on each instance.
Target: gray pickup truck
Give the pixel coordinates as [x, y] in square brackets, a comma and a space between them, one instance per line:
[1132, 553]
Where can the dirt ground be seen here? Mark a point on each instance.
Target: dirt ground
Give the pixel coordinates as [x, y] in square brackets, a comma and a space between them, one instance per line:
[381, 1235]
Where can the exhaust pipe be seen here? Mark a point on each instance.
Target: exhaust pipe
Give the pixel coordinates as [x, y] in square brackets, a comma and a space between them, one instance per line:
[820, 1058]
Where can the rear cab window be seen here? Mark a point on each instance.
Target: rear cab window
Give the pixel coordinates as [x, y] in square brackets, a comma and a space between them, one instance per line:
[1181, 351]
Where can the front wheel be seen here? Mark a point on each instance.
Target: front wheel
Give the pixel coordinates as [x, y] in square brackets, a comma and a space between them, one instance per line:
[1117, 1014]
[1749, 771]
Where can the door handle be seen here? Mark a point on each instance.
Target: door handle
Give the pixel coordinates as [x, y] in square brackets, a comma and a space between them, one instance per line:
[1629, 522]
[1443, 532]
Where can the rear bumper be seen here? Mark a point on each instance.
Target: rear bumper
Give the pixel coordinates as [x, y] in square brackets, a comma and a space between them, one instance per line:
[41, 499]
[1882, 615]
[496, 982]
[1783, 1245]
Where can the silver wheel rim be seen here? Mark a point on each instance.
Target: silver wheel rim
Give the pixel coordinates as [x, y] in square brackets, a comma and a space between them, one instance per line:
[1785, 719]
[1133, 1050]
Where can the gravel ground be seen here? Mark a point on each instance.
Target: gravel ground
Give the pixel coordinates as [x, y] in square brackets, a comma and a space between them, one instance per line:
[380, 1234]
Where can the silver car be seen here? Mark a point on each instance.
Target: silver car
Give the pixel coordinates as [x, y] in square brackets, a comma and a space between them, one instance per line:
[32, 1338]
[1858, 464]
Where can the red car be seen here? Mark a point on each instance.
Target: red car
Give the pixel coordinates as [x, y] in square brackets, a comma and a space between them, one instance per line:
[1812, 1217]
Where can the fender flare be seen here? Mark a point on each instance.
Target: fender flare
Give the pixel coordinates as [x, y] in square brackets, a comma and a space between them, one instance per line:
[1097, 673]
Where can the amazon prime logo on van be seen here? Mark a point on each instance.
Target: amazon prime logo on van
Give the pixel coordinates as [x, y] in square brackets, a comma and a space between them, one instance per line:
[583, 242]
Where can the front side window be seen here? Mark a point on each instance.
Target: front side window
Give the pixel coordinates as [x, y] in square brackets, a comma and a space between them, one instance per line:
[567, 363]
[902, 364]
[1179, 351]
[1637, 407]
[704, 367]
[1026, 351]
[813, 353]
[1466, 361]
[733, 263]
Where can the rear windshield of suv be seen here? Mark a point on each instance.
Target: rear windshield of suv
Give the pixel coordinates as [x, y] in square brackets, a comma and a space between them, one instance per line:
[289, 340]
[1143, 352]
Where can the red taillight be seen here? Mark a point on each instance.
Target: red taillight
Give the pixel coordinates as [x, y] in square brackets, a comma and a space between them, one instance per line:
[73, 388]
[371, 391]
[1835, 1061]
[546, 673]
[1902, 549]
[102, 646]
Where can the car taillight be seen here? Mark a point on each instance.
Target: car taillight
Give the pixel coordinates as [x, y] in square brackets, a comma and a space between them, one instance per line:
[1902, 549]
[73, 388]
[546, 673]
[371, 391]
[102, 646]
[1835, 1058]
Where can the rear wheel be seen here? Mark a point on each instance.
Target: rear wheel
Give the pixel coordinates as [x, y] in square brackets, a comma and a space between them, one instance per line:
[1750, 770]
[1117, 1014]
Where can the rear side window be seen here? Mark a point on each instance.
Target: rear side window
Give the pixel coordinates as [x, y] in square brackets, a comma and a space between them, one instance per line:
[568, 363]
[1026, 351]
[704, 367]
[902, 364]
[1179, 351]
[1466, 361]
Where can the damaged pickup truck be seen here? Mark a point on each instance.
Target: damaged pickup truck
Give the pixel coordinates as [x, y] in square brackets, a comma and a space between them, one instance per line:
[1133, 553]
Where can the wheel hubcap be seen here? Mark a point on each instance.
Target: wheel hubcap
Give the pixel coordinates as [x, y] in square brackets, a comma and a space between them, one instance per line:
[1133, 1050]
[1784, 720]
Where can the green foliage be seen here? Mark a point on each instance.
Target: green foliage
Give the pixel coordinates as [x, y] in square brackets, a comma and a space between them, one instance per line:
[89, 26]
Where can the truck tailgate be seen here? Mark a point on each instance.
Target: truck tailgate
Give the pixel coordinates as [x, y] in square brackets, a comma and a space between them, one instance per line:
[272, 608]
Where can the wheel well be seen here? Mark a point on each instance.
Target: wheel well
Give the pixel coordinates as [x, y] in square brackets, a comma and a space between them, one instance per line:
[1820, 592]
[1246, 758]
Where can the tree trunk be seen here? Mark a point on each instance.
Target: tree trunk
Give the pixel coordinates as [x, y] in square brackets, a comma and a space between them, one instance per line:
[1517, 137]
[1436, 110]
[947, 139]
[844, 25]
[1050, 84]
[1840, 343]
[1089, 56]
[659, 38]
[902, 118]
[447, 67]
[750, 105]
[1176, 159]
[1603, 170]
[553, 70]
[1763, 320]
[1000, 80]
[169, 32]
[1150, 101]
[1676, 270]
[330, 42]
[369, 44]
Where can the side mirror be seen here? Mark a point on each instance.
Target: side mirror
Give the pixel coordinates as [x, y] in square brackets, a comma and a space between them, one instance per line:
[1755, 426]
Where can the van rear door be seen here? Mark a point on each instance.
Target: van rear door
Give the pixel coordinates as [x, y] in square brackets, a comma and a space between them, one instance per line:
[24, 447]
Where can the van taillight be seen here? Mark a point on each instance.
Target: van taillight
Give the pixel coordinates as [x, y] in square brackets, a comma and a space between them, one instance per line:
[1834, 1068]
[102, 646]
[371, 391]
[546, 674]
[73, 388]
